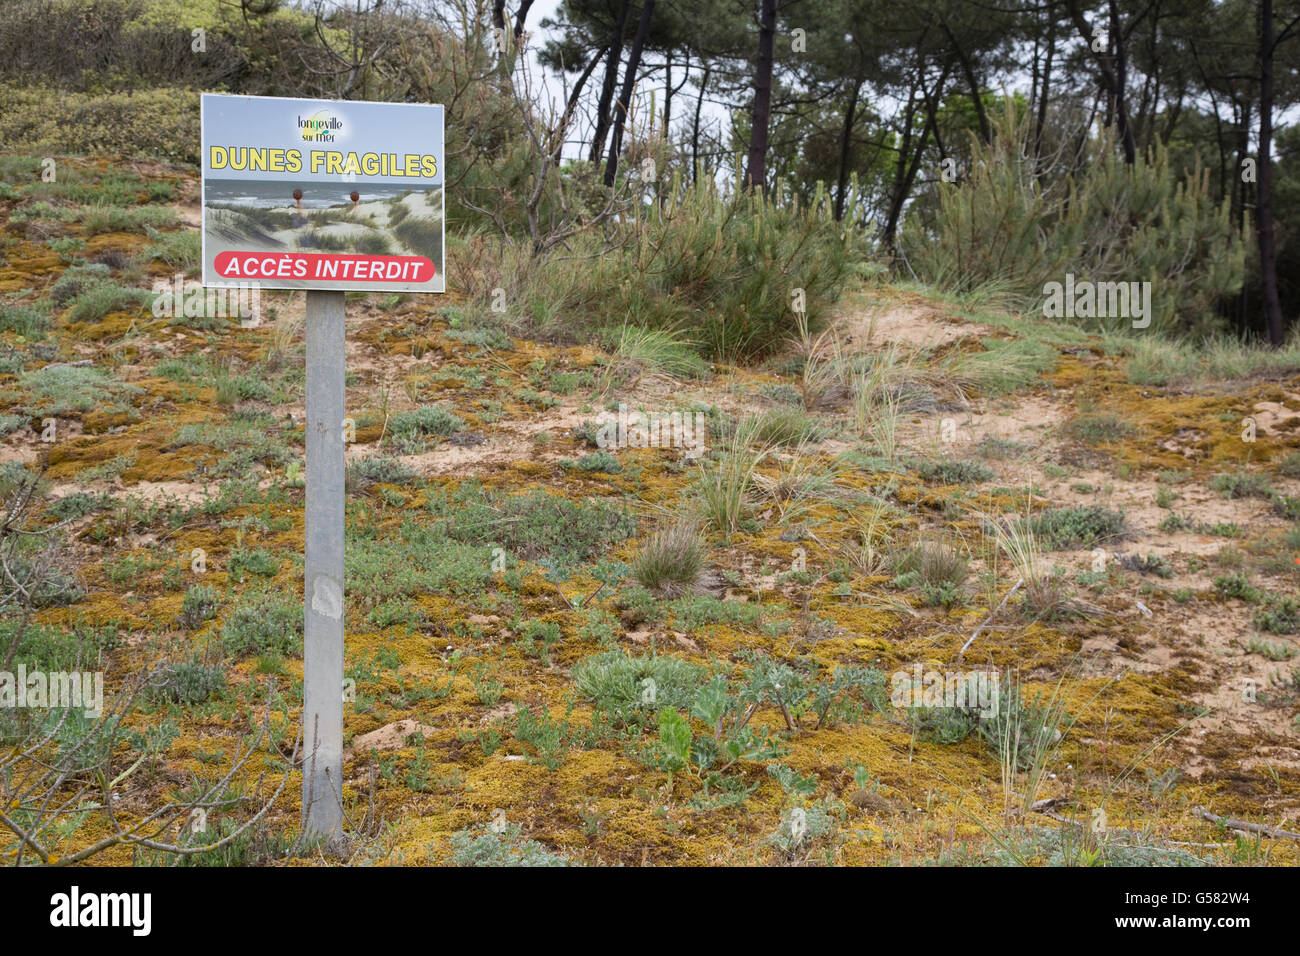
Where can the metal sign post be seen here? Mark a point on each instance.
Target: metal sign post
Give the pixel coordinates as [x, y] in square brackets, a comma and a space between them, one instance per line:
[322, 668]
[329, 197]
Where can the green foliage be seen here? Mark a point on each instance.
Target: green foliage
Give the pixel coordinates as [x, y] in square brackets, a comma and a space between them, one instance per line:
[264, 622]
[784, 425]
[52, 648]
[671, 560]
[1007, 227]
[1272, 650]
[105, 217]
[199, 604]
[248, 438]
[83, 742]
[63, 389]
[99, 300]
[1156, 361]
[622, 686]
[549, 739]
[1060, 529]
[942, 725]
[26, 320]
[1242, 484]
[1095, 428]
[179, 249]
[790, 781]
[723, 268]
[1279, 615]
[725, 480]
[487, 847]
[698, 610]
[258, 561]
[1004, 365]
[76, 281]
[1174, 522]
[378, 470]
[536, 524]
[79, 505]
[1148, 564]
[597, 461]
[484, 338]
[411, 429]
[1237, 586]
[1070, 846]
[998, 448]
[543, 633]
[51, 587]
[416, 558]
[1022, 732]
[954, 472]
[1289, 467]
[802, 826]
[187, 682]
[161, 122]
[935, 564]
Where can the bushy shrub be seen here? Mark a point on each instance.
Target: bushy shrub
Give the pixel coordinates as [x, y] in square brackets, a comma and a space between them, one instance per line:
[98, 301]
[671, 560]
[487, 847]
[264, 622]
[1061, 528]
[199, 604]
[620, 685]
[954, 472]
[432, 420]
[24, 319]
[161, 122]
[539, 524]
[378, 470]
[723, 268]
[187, 682]
[1006, 226]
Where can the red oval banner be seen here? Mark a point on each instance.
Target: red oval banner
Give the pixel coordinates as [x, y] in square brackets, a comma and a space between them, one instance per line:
[323, 267]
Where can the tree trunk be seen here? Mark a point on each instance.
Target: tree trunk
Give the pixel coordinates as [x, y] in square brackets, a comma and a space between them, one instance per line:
[695, 128]
[1264, 203]
[625, 97]
[846, 149]
[1110, 84]
[1241, 194]
[611, 79]
[968, 70]
[572, 103]
[899, 191]
[906, 171]
[756, 174]
[668, 91]
[1044, 91]
[1123, 121]
[524, 6]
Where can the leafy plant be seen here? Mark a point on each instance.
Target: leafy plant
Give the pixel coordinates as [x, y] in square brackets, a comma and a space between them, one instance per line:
[671, 560]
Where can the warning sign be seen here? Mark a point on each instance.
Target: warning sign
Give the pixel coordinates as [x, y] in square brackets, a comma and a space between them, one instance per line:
[310, 194]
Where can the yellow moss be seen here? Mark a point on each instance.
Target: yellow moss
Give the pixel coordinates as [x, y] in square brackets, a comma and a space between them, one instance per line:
[97, 422]
[115, 325]
[128, 243]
